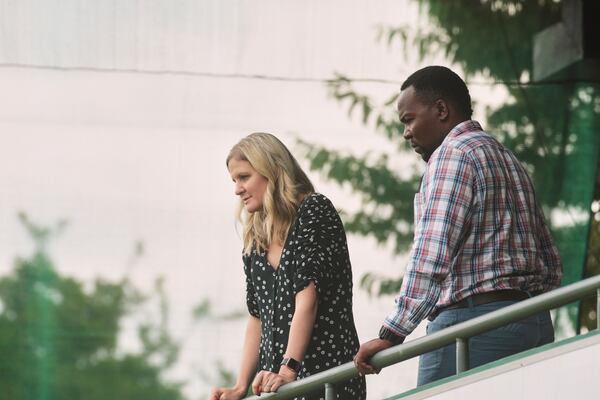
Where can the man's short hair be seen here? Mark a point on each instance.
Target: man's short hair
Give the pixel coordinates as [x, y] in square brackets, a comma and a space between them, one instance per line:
[437, 82]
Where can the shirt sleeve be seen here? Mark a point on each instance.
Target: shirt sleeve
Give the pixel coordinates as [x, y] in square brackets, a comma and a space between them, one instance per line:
[442, 218]
[251, 301]
[319, 235]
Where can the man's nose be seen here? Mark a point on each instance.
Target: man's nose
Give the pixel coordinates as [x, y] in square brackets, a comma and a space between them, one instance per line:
[406, 134]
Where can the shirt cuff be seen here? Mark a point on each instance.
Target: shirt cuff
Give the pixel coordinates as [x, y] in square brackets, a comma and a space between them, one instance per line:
[391, 336]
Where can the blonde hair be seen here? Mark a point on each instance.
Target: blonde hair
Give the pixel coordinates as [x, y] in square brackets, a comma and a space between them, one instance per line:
[287, 184]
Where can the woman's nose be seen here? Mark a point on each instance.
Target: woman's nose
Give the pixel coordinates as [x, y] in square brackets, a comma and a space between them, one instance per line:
[238, 189]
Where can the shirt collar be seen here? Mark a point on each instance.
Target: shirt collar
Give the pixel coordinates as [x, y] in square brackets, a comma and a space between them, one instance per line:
[460, 129]
[465, 127]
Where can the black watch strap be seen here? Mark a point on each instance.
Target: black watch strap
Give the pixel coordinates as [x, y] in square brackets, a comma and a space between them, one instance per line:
[292, 363]
[389, 335]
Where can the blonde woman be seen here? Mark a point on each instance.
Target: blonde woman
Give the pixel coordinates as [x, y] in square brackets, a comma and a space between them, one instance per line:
[298, 275]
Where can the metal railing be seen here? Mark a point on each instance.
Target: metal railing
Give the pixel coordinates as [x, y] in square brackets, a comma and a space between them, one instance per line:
[459, 333]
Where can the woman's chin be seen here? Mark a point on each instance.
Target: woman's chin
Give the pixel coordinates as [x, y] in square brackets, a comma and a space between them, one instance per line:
[250, 208]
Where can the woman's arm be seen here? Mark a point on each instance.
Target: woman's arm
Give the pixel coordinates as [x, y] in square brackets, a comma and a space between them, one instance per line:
[249, 353]
[248, 365]
[303, 322]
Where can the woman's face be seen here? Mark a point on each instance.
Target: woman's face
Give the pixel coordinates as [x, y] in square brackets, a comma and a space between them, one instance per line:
[249, 184]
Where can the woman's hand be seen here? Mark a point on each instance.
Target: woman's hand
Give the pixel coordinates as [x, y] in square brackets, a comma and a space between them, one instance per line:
[267, 381]
[233, 393]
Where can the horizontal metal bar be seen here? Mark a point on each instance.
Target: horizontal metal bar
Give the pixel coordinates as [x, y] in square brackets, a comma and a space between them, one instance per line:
[555, 298]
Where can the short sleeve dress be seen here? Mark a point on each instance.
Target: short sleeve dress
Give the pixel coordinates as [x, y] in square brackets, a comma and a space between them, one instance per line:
[315, 250]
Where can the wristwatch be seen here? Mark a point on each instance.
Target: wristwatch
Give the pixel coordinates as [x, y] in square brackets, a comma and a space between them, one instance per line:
[389, 335]
[292, 363]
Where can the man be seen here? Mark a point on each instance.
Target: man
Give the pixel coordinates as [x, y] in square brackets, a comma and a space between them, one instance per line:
[480, 241]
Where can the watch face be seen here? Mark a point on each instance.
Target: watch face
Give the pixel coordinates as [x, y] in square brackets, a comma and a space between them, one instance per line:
[293, 364]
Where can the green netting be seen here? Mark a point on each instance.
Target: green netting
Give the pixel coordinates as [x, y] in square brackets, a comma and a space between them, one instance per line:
[551, 126]
[576, 182]
[567, 145]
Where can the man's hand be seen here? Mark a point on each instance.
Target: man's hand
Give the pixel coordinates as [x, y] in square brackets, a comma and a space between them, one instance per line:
[368, 350]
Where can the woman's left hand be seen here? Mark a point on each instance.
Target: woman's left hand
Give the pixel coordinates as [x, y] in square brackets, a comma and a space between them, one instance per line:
[267, 381]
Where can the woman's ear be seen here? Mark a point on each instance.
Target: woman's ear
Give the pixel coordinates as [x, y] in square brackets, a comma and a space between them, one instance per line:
[442, 110]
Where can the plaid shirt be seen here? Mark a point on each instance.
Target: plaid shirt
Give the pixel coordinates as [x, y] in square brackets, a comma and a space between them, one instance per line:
[477, 229]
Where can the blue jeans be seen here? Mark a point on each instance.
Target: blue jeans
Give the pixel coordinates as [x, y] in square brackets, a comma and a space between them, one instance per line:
[490, 346]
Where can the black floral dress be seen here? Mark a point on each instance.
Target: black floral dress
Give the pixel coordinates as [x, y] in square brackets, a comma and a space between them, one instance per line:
[315, 250]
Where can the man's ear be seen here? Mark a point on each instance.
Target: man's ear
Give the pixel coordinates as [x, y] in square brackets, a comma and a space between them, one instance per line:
[441, 108]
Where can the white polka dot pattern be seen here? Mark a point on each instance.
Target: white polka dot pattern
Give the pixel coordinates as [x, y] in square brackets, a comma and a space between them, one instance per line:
[315, 250]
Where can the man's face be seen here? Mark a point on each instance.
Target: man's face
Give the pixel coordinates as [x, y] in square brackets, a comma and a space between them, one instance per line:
[423, 126]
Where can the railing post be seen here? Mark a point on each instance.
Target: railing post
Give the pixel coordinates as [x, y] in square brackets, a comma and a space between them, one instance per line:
[330, 392]
[598, 309]
[462, 355]
[467, 329]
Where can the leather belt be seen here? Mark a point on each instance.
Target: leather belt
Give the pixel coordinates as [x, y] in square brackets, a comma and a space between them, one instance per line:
[489, 297]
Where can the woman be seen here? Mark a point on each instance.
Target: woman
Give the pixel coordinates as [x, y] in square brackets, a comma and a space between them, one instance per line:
[298, 275]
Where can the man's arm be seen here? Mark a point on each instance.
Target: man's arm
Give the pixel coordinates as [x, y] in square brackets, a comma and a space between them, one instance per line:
[444, 216]
[443, 210]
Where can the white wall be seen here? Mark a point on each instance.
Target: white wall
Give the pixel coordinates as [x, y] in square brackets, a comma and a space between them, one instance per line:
[117, 116]
[566, 371]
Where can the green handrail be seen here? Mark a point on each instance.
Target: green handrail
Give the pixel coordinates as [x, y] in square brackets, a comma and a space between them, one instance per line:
[459, 333]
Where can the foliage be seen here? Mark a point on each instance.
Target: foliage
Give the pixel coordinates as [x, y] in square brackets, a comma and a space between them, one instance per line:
[60, 341]
[490, 41]
[219, 376]
[588, 315]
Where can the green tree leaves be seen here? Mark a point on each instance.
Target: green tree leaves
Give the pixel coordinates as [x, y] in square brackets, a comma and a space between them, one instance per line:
[59, 340]
[546, 124]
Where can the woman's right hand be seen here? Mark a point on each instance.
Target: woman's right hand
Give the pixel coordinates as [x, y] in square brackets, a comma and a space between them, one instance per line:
[227, 393]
